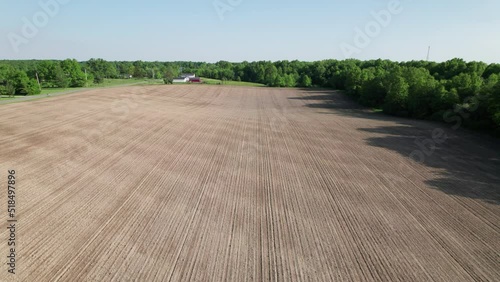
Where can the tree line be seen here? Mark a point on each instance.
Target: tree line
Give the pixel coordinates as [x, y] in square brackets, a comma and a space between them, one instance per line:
[418, 89]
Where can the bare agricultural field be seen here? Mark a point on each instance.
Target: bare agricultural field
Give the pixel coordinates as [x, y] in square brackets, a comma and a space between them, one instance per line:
[218, 183]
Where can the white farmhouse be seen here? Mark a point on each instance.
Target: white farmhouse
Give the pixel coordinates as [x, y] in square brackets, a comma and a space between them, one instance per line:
[181, 80]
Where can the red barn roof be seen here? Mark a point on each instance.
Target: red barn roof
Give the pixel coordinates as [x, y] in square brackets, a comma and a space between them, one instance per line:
[195, 79]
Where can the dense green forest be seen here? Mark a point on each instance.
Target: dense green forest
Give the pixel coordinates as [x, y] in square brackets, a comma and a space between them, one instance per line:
[452, 91]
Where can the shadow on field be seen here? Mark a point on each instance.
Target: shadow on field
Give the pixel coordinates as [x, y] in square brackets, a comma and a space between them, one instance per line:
[327, 99]
[335, 102]
[471, 166]
[469, 161]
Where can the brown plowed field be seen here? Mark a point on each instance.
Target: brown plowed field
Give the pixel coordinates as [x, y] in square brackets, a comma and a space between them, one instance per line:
[218, 183]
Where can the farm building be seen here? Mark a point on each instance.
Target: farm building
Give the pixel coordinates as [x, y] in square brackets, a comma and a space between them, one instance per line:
[195, 80]
[181, 80]
[184, 78]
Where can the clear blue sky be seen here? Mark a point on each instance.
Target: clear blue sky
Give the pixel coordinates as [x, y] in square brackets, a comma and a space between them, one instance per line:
[253, 30]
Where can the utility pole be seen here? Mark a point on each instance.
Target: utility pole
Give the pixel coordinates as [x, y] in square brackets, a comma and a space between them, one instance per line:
[428, 53]
[86, 82]
[38, 80]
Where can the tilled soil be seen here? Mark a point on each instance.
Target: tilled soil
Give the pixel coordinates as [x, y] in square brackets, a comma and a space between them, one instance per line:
[219, 183]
